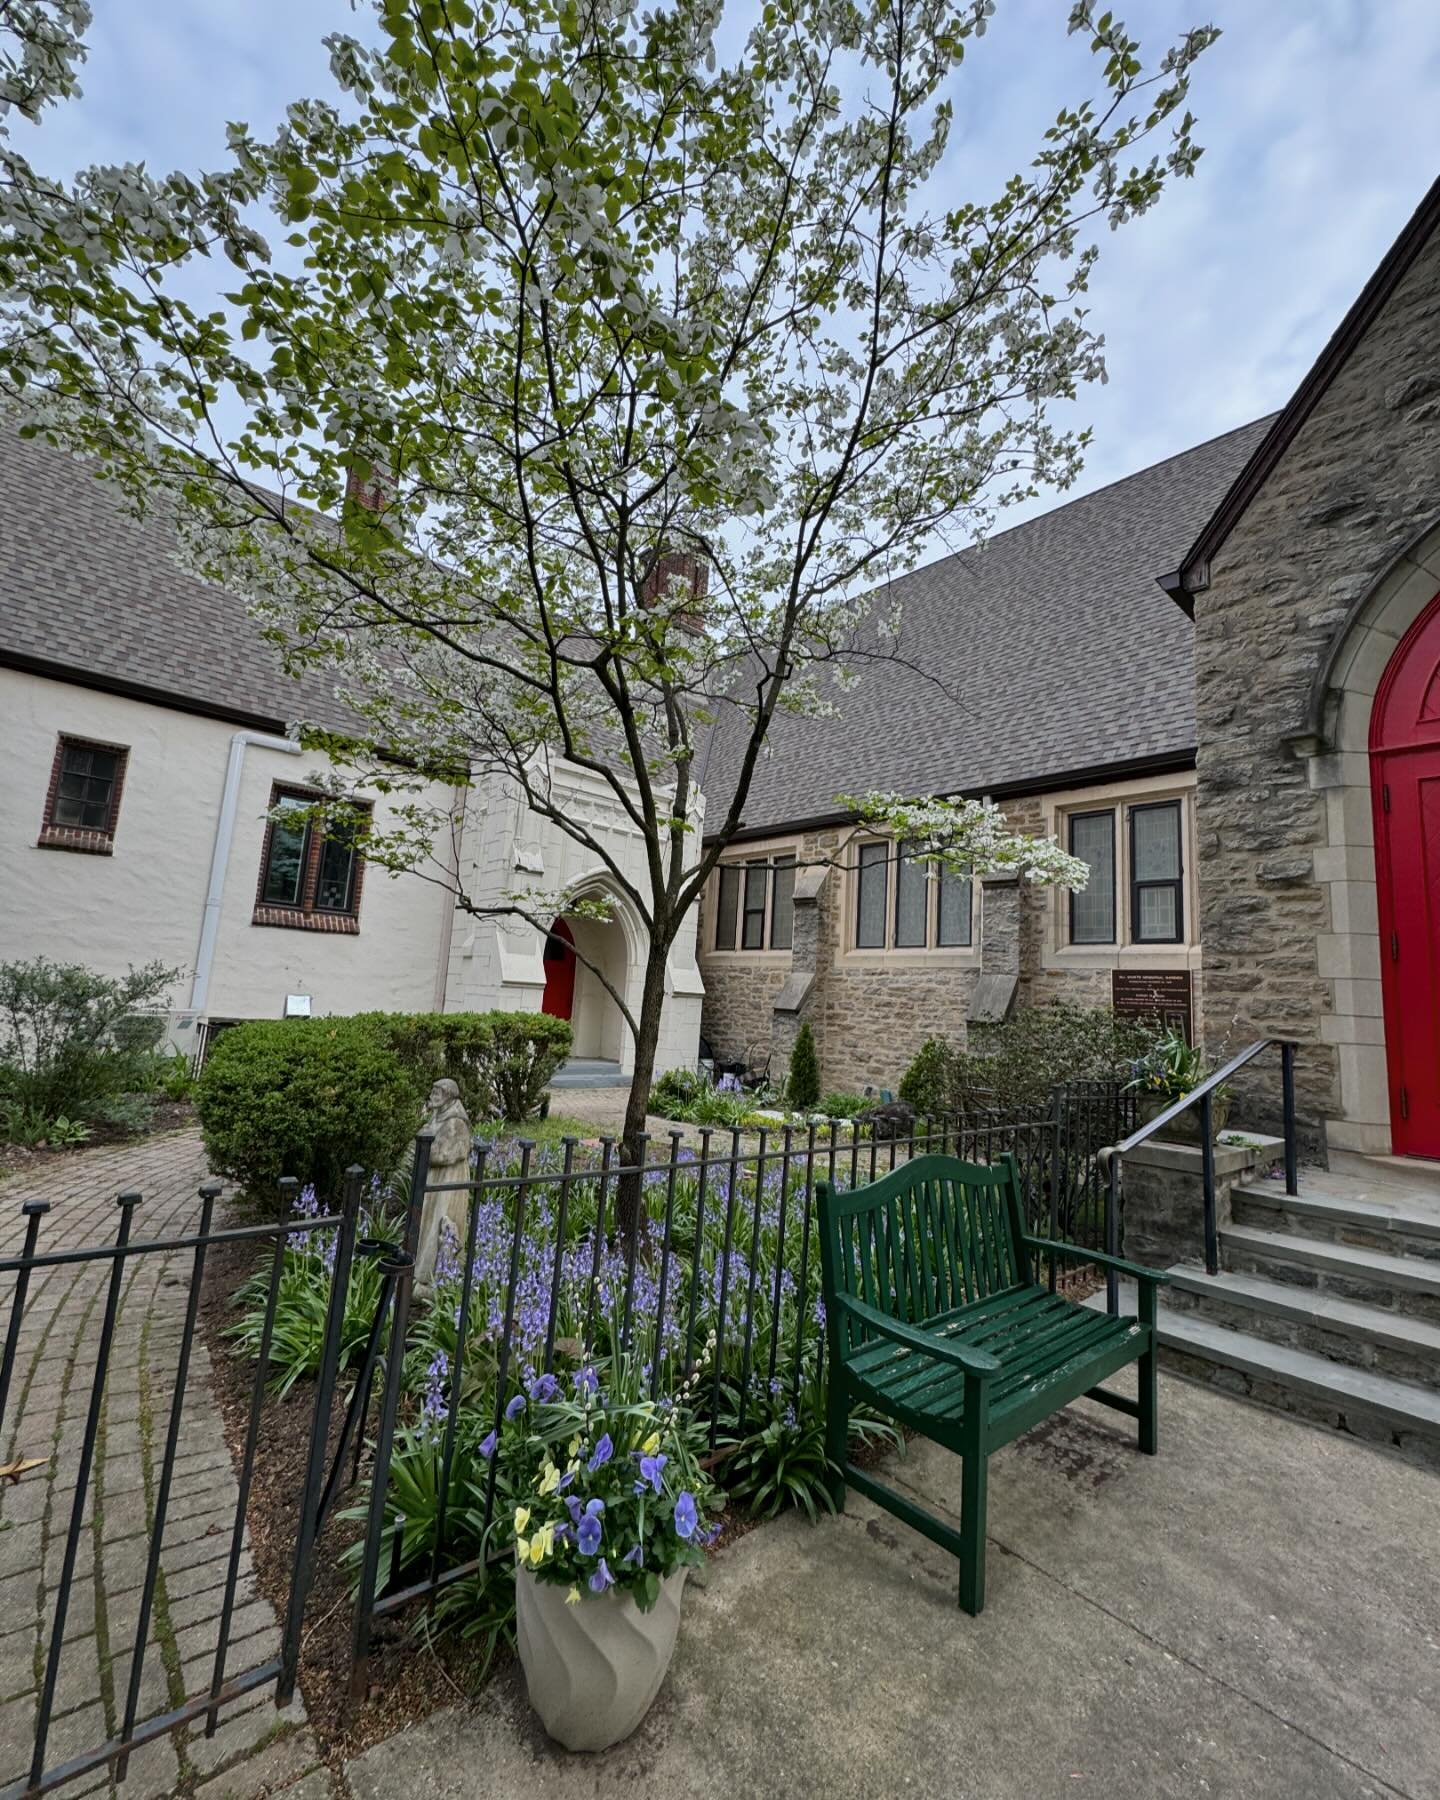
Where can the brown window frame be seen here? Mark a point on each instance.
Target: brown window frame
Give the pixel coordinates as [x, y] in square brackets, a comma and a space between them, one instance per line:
[92, 840]
[304, 914]
[734, 883]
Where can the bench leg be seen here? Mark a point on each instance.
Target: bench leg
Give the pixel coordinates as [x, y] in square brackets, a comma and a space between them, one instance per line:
[1147, 1374]
[837, 1439]
[974, 1488]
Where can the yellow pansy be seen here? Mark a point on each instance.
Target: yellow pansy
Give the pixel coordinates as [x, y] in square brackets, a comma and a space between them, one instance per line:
[573, 1469]
[522, 1547]
[651, 1444]
[522, 1519]
[574, 1449]
[541, 1544]
[549, 1479]
[573, 1597]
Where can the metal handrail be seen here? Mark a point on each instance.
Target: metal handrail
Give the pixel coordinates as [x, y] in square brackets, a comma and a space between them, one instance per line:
[1203, 1096]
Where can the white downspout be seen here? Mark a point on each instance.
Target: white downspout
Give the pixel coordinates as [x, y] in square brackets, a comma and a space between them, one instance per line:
[220, 856]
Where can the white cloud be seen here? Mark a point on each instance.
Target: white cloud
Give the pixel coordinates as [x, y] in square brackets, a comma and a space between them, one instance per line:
[1317, 116]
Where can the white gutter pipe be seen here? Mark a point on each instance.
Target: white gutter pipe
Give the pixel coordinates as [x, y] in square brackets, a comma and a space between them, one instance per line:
[220, 856]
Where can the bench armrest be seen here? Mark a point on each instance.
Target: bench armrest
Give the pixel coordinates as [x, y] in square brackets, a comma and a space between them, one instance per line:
[973, 1362]
[1077, 1253]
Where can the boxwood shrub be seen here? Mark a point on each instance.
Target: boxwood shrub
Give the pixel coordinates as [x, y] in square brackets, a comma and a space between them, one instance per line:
[308, 1097]
[501, 1061]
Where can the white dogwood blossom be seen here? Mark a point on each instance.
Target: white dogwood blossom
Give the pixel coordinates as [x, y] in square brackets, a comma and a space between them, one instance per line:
[568, 385]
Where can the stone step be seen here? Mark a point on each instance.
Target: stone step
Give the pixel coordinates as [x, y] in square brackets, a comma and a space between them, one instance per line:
[1367, 1337]
[1342, 1212]
[1399, 1414]
[1405, 1284]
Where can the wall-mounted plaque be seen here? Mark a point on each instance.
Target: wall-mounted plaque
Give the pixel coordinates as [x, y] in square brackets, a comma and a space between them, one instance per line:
[1162, 994]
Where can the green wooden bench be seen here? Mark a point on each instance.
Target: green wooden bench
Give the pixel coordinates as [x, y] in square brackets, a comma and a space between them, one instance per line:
[935, 1318]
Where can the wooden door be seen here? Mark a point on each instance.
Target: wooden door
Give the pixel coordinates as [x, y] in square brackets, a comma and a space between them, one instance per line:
[1405, 771]
[559, 1000]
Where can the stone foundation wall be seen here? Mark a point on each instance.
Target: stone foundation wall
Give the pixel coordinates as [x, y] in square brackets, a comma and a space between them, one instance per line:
[1287, 877]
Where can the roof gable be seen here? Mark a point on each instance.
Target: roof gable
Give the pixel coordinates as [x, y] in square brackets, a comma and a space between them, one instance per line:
[1192, 573]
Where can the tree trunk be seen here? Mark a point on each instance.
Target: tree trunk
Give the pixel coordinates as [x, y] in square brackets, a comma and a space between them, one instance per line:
[630, 1187]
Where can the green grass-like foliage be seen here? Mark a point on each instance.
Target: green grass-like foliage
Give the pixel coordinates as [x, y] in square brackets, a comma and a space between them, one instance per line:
[1024, 1058]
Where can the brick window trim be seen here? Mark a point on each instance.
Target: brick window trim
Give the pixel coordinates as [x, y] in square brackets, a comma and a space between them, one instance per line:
[304, 917]
[89, 840]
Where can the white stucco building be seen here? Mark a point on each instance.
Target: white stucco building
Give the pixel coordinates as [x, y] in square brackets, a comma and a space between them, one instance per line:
[147, 734]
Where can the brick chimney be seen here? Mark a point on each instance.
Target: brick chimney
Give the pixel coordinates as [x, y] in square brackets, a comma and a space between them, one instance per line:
[688, 567]
[368, 485]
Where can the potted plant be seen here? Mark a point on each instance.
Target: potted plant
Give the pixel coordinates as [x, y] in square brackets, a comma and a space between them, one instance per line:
[1169, 1070]
[611, 1512]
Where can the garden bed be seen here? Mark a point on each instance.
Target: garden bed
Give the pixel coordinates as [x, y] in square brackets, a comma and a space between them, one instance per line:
[169, 1115]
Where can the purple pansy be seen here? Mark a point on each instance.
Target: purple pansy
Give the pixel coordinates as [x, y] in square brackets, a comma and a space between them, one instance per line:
[602, 1578]
[516, 1407]
[587, 1534]
[487, 1445]
[635, 1556]
[685, 1515]
[544, 1389]
[604, 1450]
[650, 1470]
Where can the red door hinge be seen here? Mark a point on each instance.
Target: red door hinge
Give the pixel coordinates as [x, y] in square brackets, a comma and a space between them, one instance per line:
[1385, 796]
[1404, 1102]
[1394, 946]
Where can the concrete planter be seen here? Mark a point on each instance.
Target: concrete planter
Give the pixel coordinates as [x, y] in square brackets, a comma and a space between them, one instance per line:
[592, 1670]
[1185, 1129]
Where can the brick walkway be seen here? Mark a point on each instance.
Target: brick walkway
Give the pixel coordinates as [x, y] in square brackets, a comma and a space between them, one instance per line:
[254, 1751]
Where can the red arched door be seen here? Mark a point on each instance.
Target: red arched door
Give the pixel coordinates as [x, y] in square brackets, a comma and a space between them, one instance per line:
[1405, 772]
[559, 999]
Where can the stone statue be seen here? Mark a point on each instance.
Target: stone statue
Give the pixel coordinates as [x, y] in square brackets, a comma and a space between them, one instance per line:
[446, 1117]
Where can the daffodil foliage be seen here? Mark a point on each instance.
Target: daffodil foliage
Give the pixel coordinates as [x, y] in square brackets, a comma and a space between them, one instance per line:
[551, 313]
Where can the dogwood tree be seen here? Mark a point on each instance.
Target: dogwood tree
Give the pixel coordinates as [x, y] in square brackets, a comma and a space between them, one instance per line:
[574, 370]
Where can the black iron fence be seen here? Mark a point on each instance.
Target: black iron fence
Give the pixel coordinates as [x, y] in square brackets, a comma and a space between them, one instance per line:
[700, 1255]
[130, 1723]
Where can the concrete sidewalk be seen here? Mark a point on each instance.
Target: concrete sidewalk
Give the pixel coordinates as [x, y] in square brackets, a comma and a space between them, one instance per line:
[1254, 1613]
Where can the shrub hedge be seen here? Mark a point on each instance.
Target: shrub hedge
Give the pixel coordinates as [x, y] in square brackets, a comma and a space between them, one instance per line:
[1016, 1064]
[308, 1097]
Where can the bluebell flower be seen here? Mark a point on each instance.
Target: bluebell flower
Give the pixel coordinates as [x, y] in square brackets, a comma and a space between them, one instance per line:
[602, 1578]
[685, 1515]
[604, 1450]
[516, 1407]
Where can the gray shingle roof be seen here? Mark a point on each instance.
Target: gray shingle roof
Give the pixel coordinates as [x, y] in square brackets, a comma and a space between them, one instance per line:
[1055, 650]
[89, 591]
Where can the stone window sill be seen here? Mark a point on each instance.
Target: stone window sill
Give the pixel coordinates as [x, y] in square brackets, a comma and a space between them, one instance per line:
[289, 919]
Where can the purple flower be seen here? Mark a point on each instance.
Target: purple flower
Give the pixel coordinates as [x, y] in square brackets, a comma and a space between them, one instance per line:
[487, 1446]
[602, 1578]
[586, 1383]
[604, 1450]
[650, 1468]
[685, 1515]
[516, 1407]
[634, 1555]
[587, 1534]
[544, 1389]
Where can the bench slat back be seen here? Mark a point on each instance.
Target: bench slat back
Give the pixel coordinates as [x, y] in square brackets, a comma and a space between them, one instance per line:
[932, 1235]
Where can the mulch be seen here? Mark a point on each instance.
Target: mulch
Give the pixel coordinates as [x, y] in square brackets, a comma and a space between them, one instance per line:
[408, 1676]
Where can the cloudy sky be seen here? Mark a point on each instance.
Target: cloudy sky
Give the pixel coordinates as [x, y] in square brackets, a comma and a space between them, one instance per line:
[1317, 116]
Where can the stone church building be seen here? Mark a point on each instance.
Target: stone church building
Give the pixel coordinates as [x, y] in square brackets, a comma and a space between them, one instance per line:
[1216, 681]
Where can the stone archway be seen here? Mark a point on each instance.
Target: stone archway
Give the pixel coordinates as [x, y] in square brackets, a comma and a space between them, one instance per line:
[1335, 745]
[614, 948]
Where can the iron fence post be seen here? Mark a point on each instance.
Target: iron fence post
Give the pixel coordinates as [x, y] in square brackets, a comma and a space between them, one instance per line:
[1112, 1234]
[1057, 1151]
[127, 1204]
[308, 1525]
[1287, 1079]
[401, 1270]
[1207, 1153]
[419, 1180]
[34, 1211]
